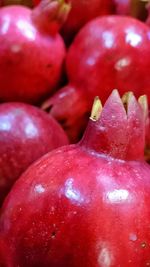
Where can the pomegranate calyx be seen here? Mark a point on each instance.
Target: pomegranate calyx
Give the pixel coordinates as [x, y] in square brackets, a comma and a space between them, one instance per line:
[96, 109]
[118, 131]
[143, 101]
[50, 15]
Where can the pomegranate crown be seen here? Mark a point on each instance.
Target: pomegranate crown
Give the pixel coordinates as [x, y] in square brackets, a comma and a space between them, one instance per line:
[118, 128]
[50, 15]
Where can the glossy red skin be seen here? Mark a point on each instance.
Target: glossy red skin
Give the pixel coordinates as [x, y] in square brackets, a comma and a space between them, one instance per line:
[96, 53]
[30, 61]
[26, 134]
[107, 53]
[89, 213]
[78, 206]
[77, 18]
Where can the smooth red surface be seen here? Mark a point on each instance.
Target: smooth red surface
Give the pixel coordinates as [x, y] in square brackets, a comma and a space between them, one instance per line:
[26, 134]
[109, 52]
[77, 207]
[30, 60]
[82, 12]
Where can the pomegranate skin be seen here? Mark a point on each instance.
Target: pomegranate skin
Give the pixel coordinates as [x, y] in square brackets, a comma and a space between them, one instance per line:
[30, 59]
[77, 206]
[26, 133]
[77, 18]
[107, 53]
[73, 214]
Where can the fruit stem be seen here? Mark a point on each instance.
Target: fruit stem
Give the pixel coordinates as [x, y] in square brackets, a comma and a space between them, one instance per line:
[50, 15]
[117, 130]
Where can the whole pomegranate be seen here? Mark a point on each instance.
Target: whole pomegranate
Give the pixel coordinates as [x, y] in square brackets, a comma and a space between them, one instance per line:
[86, 204]
[111, 51]
[26, 133]
[31, 50]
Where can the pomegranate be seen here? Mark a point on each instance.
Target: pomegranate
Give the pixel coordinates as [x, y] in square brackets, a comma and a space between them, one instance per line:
[77, 18]
[108, 52]
[31, 50]
[86, 204]
[26, 133]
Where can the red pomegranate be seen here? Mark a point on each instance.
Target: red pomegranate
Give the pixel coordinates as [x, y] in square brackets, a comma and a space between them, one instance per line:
[77, 18]
[86, 204]
[107, 53]
[82, 12]
[26, 133]
[31, 50]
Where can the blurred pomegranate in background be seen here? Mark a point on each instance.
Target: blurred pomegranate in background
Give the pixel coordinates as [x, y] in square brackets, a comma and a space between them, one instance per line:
[109, 52]
[81, 13]
[31, 50]
[26, 133]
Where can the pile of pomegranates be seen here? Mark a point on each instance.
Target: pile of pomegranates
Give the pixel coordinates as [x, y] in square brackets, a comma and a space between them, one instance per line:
[74, 133]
